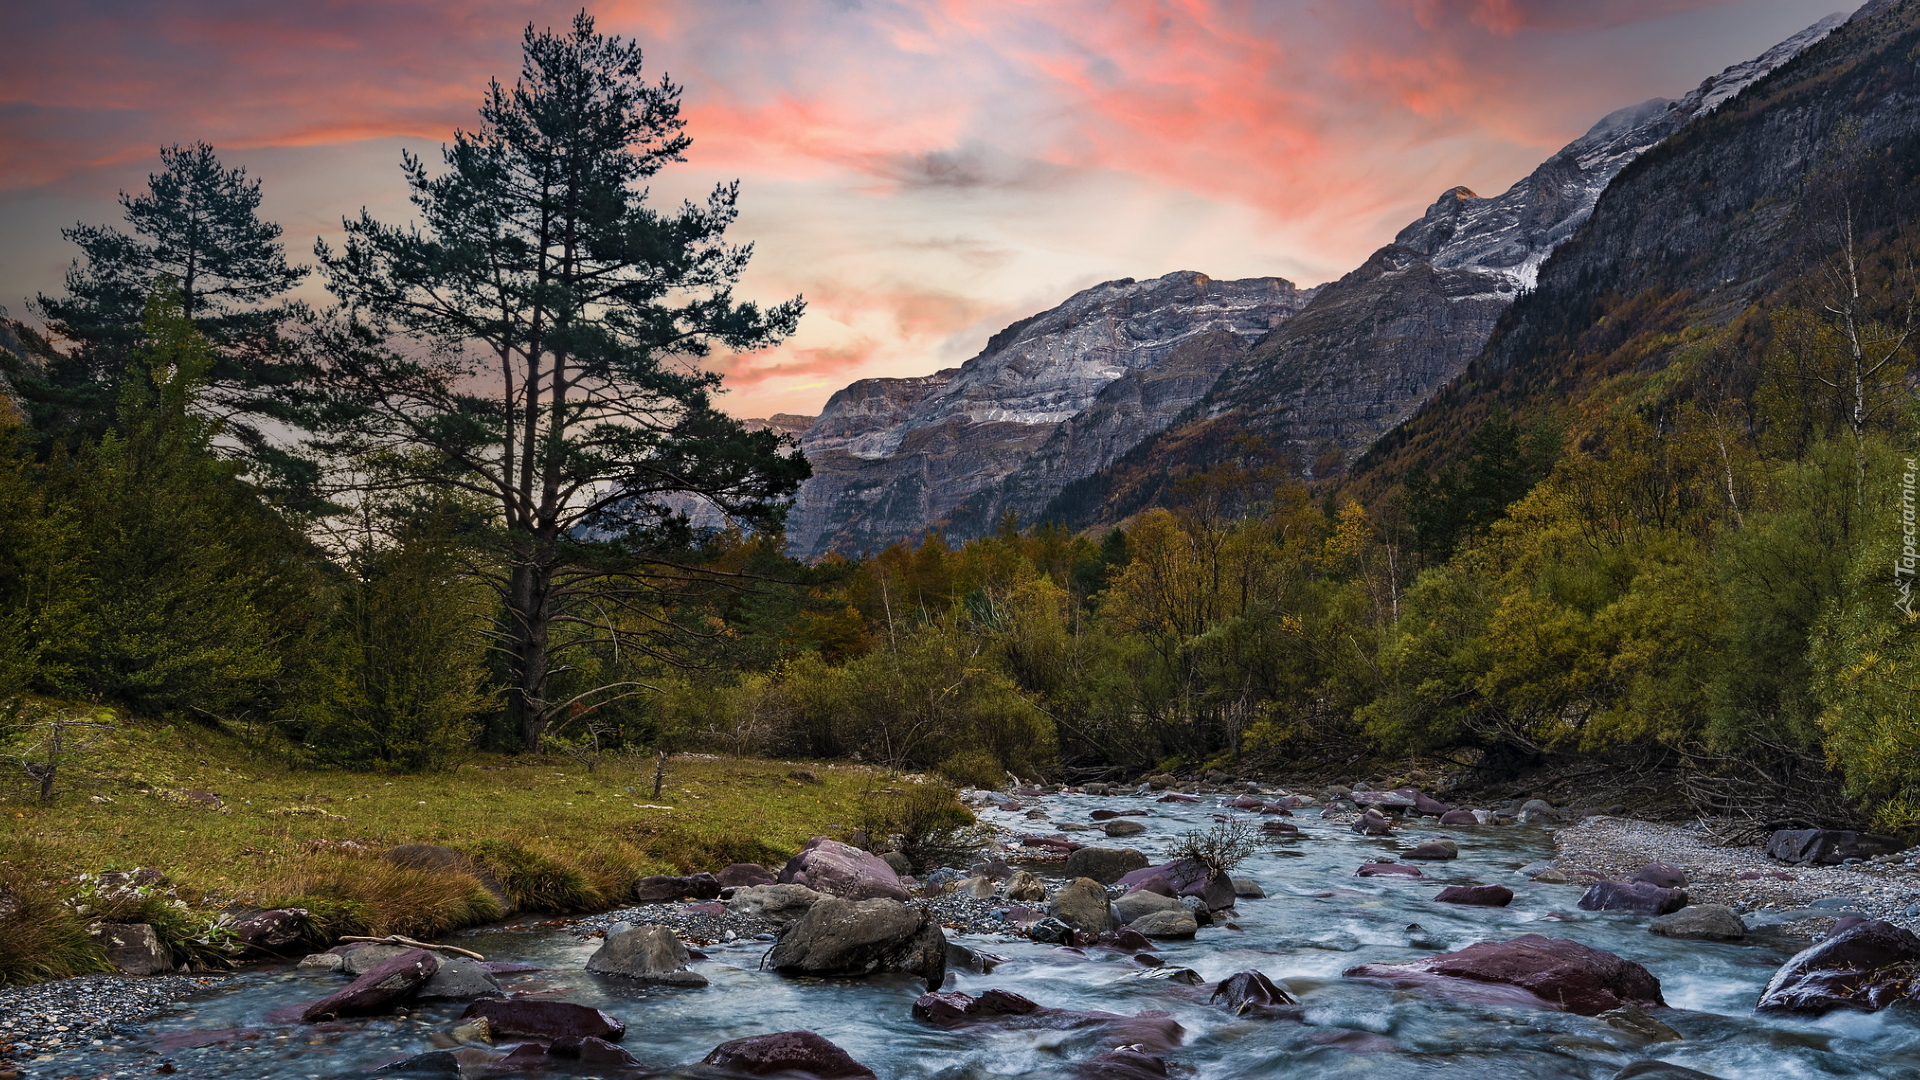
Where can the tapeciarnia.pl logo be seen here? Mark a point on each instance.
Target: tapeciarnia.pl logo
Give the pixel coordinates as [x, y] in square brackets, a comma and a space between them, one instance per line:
[1903, 567]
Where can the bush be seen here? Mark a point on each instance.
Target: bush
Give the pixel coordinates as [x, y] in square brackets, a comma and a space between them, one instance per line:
[41, 937]
[926, 823]
[1220, 848]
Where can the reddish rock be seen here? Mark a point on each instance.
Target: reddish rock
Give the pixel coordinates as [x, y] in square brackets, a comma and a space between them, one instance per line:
[1174, 796]
[1122, 1064]
[1280, 828]
[1277, 808]
[1250, 991]
[955, 1009]
[1183, 877]
[1865, 966]
[1126, 940]
[266, 931]
[1388, 800]
[1665, 875]
[1373, 823]
[1388, 869]
[588, 1050]
[1245, 802]
[377, 989]
[786, 1052]
[1634, 896]
[742, 875]
[1423, 804]
[837, 869]
[1557, 973]
[1458, 817]
[1476, 895]
[1433, 850]
[546, 1019]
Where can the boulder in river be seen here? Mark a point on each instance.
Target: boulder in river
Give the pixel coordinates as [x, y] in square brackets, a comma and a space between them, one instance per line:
[787, 1053]
[664, 888]
[378, 989]
[1635, 896]
[1105, 865]
[1373, 823]
[1660, 1070]
[1827, 847]
[1136, 904]
[1125, 1063]
[1865, 966]
[1388, 869]
[779, 904]
[955, 1009]
[1250, 991]
[1433, 850]
[533, 1019]
[1247, 889]
[1167, 924]
[590, 1052]
[1459, 817]
[460, 979]
[841, 937]
[647, 953]
[1701, 922]
[961, 958]
[742, 875]
[1123, 827]
[1476, 895]
[1184, 877]
[837, 869]
[432, 1063]
[360, 957]
[1385, 800]
[1082, 904]
[1553, 972]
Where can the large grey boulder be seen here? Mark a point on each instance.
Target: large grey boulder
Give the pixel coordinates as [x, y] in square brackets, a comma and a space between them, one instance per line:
[1104, 864]
[1167, 924]
[1826, 847]
[1082, 904]
[133, 948]
[1136, 904]
[646, 953]
[841, 937]
[460, 979]
[1701, 922]
[779, 904]
[1025, 888]
[837, 869]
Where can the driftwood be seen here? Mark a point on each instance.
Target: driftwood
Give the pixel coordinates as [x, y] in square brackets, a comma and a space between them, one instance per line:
[1741, 799]
[396, 939]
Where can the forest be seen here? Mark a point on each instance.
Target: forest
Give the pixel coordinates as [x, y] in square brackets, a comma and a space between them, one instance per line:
[484, 503]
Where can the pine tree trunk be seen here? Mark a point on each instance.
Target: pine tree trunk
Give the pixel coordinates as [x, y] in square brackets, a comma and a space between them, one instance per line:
[528, 620]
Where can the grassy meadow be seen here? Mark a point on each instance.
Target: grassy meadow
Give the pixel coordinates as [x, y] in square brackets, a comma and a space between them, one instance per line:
[556, 836]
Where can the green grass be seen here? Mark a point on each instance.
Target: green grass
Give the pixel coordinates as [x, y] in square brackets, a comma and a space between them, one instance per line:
[556, 837]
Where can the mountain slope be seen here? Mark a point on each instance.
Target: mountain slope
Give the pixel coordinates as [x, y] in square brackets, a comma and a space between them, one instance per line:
[893, 458]
[1371, 347]
[1706, 231]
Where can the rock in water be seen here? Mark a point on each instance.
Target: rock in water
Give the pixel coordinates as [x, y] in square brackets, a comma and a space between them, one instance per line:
[1250, 991]
[1635, 896]
[1083, 905]
[1458, 817]
[1388, 869]
[1433, 850]
[775, 903]
[373, 992]
[958, 1010]
[433, 1063]
[1827, 847]
[1104, 865]
[646, 953]
[785, 1053]
[840, 937]
[362, 957]
[1701, 922]
[1660, 1070]
[1167, 924]
[1134, 905]
[589, 1051]
[1560, 974]
[1123, 827]
[460, 979]
[1866, 966]
[1024, 887]
[836, 869]
[1476, 895]
[1122, 1064]
[545, 1020]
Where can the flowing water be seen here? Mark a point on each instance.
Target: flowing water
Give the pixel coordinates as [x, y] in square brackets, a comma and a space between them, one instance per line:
[1299, 935]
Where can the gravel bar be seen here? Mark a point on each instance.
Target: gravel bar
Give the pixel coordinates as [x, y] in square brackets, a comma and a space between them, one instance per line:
[1886, 887]
[86, 1011]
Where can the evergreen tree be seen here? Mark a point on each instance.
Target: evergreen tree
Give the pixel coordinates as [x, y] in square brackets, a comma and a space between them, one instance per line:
[531, 343]
[199, 225]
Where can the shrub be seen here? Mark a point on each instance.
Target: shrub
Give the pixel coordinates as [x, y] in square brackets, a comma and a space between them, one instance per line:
[924, 822]
[41, 938]
[1221, 848]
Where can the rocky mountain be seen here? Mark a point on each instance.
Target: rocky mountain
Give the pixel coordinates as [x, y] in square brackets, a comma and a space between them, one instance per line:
[1370, 348]
[893, 458]
[1702, 234]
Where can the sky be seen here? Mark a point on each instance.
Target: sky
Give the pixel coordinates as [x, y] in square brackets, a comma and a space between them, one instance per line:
[923, 173]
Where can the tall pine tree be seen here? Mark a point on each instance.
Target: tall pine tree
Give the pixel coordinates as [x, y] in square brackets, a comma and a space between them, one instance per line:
[532, 343]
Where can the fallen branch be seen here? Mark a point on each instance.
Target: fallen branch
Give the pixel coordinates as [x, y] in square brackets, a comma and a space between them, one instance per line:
[396, 939]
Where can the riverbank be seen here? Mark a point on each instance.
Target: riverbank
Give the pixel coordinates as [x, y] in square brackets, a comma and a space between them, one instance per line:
[1886, 887]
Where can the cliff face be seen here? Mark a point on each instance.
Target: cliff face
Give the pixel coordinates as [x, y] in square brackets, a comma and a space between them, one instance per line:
[893, 458]
[1372, 347]
[1719, 217]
